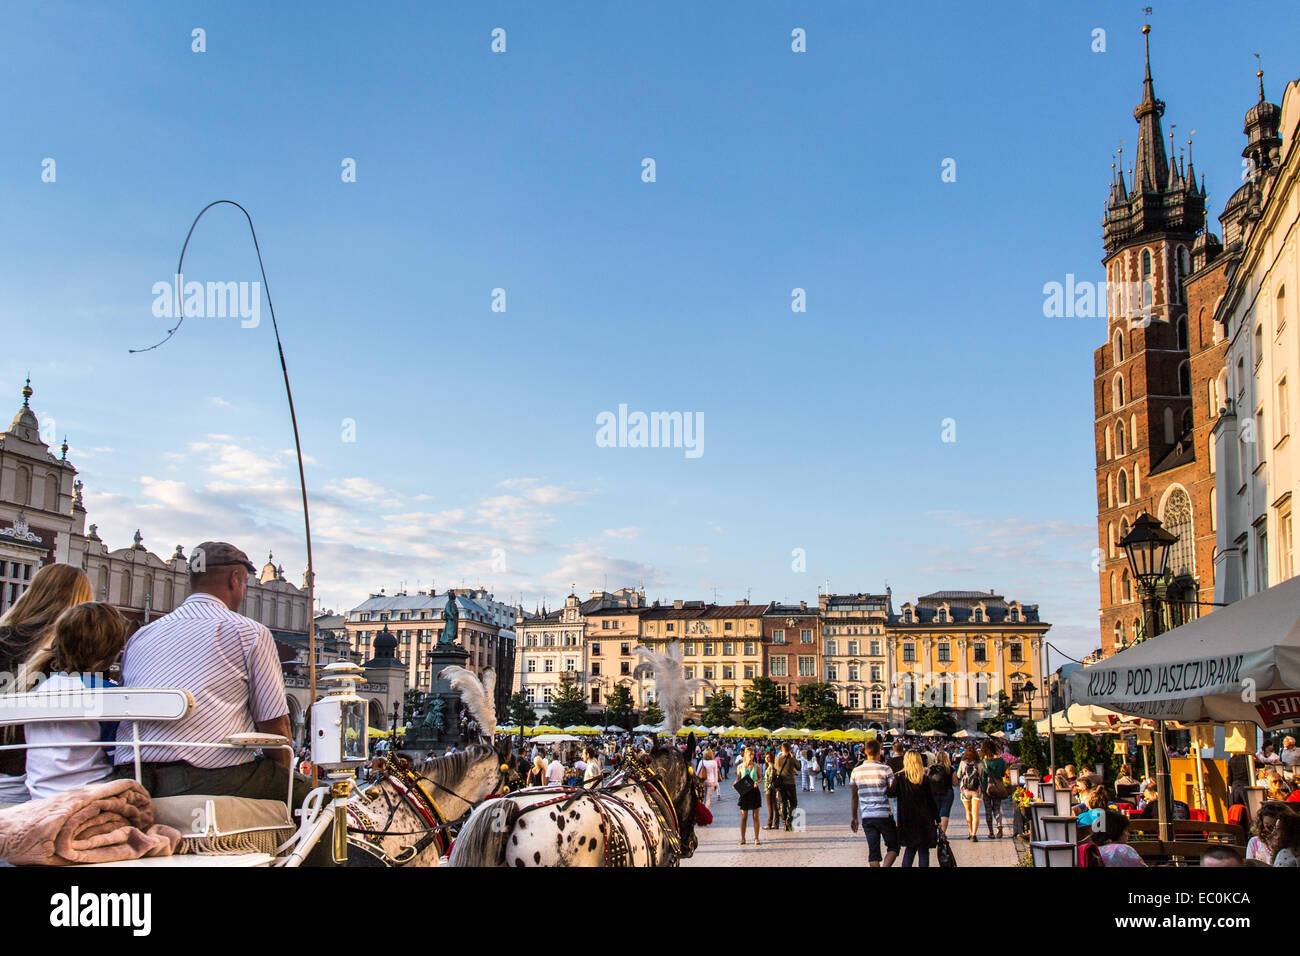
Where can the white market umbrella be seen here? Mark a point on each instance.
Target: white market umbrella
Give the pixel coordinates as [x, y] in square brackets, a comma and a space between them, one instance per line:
[894, 732]
[615, 730]
[933, 733]
[554, 738]
[963, 734]
[645, 729]
[1203, 670]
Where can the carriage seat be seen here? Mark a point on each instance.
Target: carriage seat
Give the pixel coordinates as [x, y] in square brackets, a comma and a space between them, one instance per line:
[217, 825]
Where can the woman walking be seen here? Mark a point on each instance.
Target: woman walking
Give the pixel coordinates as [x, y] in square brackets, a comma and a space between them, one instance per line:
[970, 777]
[769, 789]
[942, 780]
[995, 787]
[708, 771]
[749, 785]
[918, 814]
[830, 767]
[26, 639]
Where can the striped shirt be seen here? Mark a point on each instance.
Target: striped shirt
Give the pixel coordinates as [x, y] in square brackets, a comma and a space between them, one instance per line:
[872, 778]
[227, 661]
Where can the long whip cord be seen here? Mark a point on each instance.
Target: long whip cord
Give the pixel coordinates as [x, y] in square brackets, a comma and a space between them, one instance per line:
[297, 443]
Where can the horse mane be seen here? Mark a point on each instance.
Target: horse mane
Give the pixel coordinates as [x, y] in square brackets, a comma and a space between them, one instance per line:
[449, 769]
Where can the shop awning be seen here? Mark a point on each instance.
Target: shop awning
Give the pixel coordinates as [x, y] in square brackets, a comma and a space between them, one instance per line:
[1241, 662]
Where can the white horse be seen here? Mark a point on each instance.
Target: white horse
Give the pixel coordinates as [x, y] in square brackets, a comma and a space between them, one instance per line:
[644, 816]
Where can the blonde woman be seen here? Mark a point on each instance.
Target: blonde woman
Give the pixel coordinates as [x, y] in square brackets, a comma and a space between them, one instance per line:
[708, 771]
[537, 776]
[918, 815]
[26, 633]
[749, 784]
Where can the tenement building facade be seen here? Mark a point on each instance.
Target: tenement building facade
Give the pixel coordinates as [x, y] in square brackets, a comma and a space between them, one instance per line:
[960, 649]
[1258, 474]
[855, 653]
[485, 628]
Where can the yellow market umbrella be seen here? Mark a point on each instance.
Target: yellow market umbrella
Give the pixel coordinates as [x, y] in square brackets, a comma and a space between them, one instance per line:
[758, 732]
[735, 733]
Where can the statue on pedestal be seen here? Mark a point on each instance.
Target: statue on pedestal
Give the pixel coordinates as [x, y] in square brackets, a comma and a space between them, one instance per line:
[451, 619]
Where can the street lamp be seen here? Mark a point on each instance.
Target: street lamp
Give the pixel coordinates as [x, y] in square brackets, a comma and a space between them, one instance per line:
[1028, 690]
[1147, 547]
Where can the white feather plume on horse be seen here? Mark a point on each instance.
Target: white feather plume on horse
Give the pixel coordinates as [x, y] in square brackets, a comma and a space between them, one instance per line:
[477, 695]
[675, 692]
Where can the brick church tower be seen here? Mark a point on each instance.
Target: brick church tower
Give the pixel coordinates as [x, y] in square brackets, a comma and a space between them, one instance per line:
[1150, 378]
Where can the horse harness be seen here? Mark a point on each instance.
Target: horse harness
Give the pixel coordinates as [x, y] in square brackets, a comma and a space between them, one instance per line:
[613, 830]
[410, 789]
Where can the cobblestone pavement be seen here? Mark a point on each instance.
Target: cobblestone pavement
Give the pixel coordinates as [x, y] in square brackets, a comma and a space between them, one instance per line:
[826, 839]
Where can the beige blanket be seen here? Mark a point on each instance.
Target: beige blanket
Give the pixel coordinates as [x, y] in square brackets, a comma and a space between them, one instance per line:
[99, 823]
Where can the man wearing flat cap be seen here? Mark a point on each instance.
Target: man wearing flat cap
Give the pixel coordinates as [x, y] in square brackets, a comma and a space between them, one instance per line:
[228, 662]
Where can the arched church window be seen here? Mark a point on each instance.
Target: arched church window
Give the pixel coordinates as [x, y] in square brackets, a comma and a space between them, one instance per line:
[1177, 520]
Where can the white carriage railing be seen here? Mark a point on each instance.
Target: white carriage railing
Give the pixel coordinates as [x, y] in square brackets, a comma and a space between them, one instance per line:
[133, 705]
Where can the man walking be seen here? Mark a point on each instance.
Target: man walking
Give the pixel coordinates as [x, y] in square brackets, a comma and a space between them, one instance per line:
[786, 767]
[869, 802]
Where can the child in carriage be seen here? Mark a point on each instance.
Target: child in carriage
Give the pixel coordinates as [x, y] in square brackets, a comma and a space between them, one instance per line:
[88, 640]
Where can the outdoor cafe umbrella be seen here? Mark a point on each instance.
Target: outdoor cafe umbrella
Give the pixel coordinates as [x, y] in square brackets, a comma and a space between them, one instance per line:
[645, 729]
[933, 733]
[1241, 663]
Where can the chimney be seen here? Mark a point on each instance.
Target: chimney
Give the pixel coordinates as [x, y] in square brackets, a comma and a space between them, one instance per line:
[677, 604]
[803, 605]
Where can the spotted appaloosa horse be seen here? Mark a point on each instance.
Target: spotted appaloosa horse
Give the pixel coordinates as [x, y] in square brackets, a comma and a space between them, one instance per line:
[644, 815]
[401, 818]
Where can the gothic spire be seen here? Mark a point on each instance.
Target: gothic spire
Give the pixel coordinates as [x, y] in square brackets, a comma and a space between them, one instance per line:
[1150, 170]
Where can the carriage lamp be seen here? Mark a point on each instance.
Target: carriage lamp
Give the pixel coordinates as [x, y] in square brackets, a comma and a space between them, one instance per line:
[339, 741]
[339, 732]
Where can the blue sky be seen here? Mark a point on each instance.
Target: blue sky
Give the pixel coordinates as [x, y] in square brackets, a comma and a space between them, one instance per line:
[475, 457]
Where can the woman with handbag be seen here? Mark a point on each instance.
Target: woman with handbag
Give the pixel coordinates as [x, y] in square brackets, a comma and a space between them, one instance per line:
[918, 815]
[995, 787]
[970, 778]
[749, 785]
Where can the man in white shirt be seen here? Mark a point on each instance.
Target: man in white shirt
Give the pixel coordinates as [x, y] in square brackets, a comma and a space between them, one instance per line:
[1290, 753]
[555, 771]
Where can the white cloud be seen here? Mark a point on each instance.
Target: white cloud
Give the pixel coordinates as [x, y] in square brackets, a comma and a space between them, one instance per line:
[624, 534]
[359, 489]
